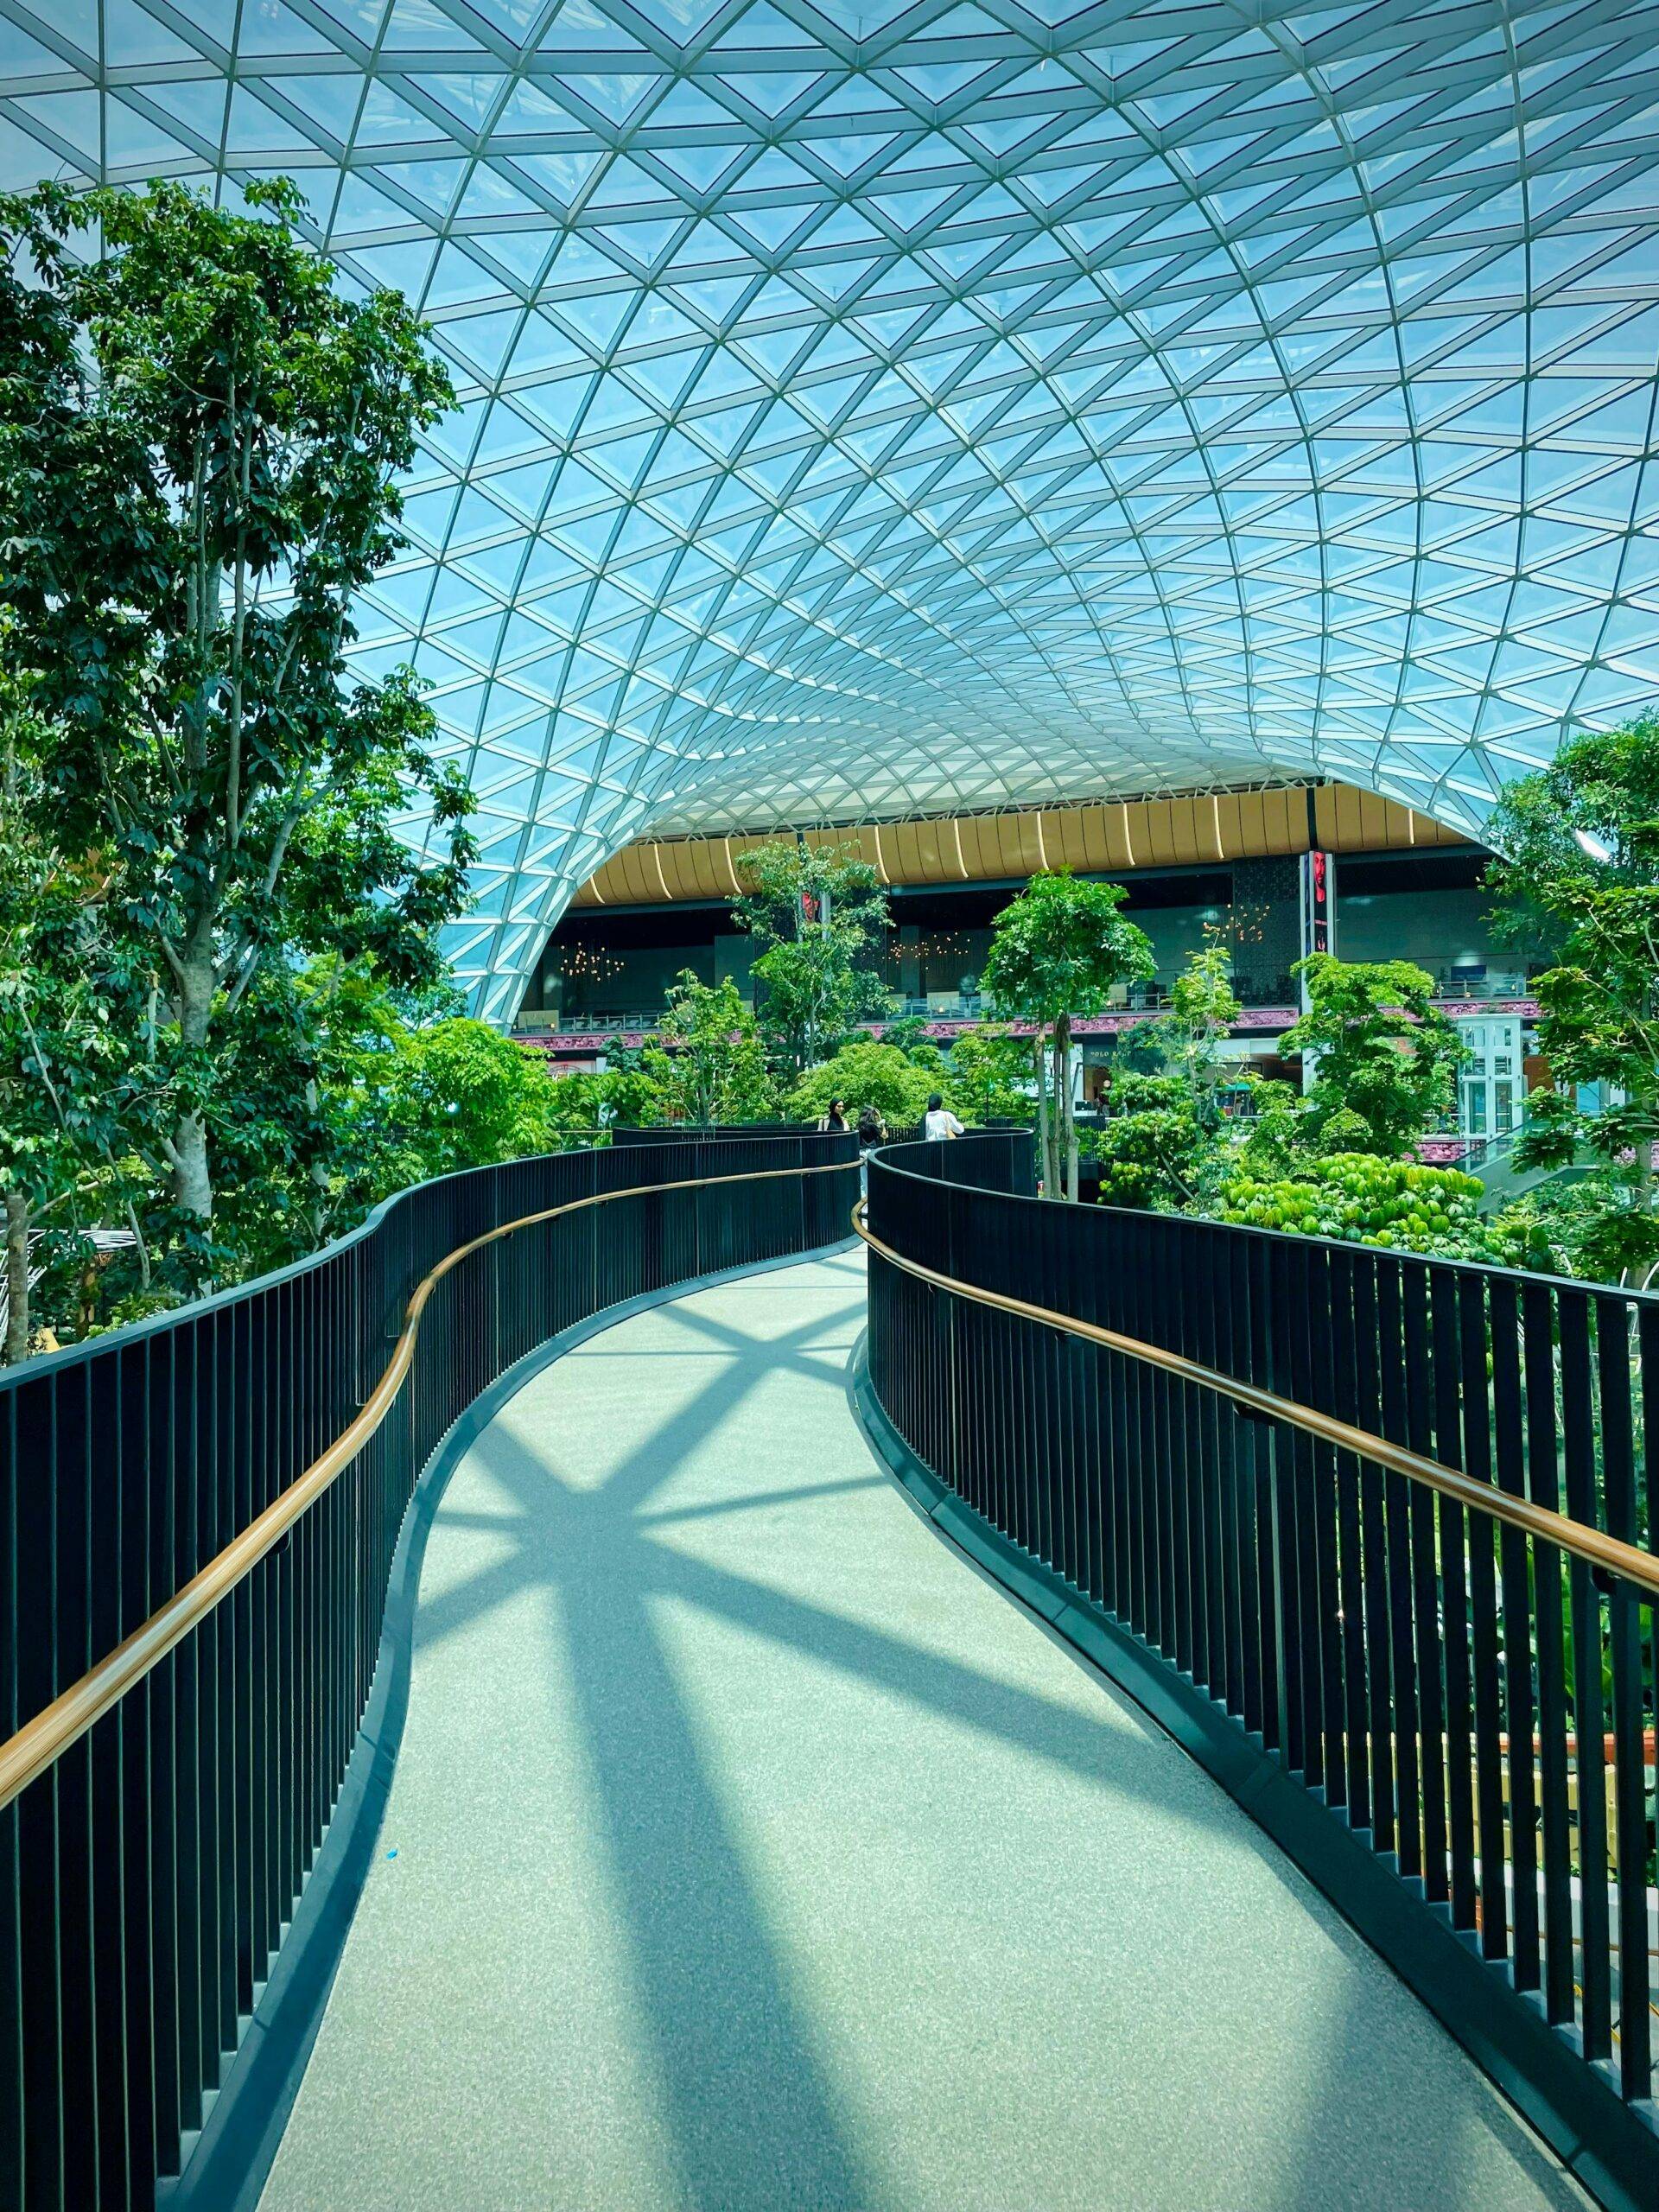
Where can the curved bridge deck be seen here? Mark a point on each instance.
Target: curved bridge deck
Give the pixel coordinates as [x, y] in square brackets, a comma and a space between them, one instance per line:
[752, 1852]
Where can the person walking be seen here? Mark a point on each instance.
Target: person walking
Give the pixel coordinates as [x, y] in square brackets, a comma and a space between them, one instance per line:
[835, 1122]
[938, 1120]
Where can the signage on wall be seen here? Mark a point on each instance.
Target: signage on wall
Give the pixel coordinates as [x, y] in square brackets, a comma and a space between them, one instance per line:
[1318, 928]
[1316, 902]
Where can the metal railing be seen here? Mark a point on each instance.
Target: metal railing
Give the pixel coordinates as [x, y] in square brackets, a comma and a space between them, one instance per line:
[1376, 1525]
[198, 1518]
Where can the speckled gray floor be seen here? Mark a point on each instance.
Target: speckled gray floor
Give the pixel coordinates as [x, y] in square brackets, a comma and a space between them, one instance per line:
[752, 1852]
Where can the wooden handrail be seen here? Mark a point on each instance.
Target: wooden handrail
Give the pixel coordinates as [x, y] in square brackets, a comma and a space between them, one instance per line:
[43, 1740]
[1628, 1562]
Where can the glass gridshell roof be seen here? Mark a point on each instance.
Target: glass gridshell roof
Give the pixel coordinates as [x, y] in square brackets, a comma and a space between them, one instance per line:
[868, 410]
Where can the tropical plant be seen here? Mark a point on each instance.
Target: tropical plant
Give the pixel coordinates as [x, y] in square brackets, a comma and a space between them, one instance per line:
[1386, 1058]
[716, 1071]
[1598, 1029]
[1203, 1008]
[456, 1095]
[200, 435]
[1578, 867]
[1149, 1144]
[65, 1016]
[865, 1073]
[1588, 822]
[1395, 1205]
[821, 915]
[1057, 950]
[990, 1074]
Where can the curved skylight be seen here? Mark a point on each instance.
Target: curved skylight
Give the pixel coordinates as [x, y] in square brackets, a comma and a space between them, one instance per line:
[868, 410]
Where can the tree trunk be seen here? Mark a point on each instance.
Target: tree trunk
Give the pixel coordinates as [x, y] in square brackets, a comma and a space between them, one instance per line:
[193, 1186]
[16, 1278]
[319, 1179]
[1045, 1144]
[1067, 1134]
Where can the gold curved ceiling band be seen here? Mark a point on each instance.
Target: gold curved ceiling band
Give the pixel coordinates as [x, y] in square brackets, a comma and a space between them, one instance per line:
[26, 1755]
[1628, 1562]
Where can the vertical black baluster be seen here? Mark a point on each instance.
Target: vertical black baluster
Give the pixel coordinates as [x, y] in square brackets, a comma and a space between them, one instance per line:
[1350, 1584]
[1379, 1628]
[1454, 1602]
[1402, 1650]
[242, 1610]
[1250, 1446]
[1425, 1605]
[1315, 1334]
[73, 1777]
[1482, 1614]
[1510, 1463]
[1624, 1638]
[12, 2104]
[1543, 1486]
[1294, 1293]
[1278, 1566]
[107, 1745]
[1577, 1436]
[1220, 1675]
[1171, 1449]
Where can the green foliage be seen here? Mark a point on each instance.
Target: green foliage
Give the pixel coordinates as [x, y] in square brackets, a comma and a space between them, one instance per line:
[1058, 948]
[578, 1105]
[1394, 1204]
[909, 1034]
[1604, 786]
[717, 1071]
[1598, 1024]
[64, 1049]
[865, 1073]
[1387, 1059]
[821, 914]
[1150, 1145]
[1203, 1007]
[990, 1075]
[198, 441]
[456, 1095]
[629, 1090]
[1056, 952]
[1599, 1003]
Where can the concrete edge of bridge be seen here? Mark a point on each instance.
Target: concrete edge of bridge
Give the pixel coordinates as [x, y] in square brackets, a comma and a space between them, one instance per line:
[225, 2168]
[1606, 2146]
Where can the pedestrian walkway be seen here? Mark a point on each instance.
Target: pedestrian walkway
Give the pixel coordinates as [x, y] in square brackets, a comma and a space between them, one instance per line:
[747, 1850]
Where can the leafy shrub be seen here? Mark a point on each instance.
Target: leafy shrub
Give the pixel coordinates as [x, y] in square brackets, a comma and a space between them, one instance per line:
[868, 1074]
[1395, 1204]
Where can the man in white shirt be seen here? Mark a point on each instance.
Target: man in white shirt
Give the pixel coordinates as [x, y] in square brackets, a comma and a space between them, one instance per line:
[939, 1121]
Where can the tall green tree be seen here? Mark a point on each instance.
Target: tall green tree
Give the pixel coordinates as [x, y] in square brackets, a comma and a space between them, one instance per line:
[1387, 1059]
[821, 916]
[1164, 1141]
[1598, 1026]
[63, 1001]
[990, 1074]
[199, 439]
[866, 1073]
[710, 1064]
[1578, 862]
[1203, 1008]
[1587, 823]
[1056, 952]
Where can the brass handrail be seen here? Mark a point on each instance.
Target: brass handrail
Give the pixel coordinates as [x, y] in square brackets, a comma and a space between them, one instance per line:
[1628, 1562]
[44, 1738]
